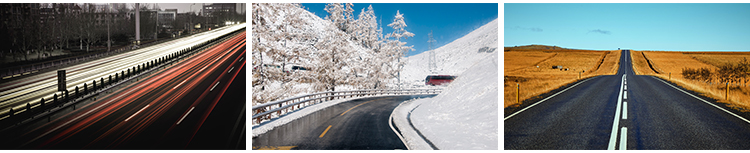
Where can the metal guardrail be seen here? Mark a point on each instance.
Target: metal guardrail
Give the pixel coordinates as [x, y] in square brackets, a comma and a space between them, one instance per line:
[15, 71]
[265, 111]
[99, 85]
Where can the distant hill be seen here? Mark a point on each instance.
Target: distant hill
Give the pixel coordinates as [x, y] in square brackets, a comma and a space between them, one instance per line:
[540, 47]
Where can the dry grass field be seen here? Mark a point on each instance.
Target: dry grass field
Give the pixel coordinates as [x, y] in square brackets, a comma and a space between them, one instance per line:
[666, 62]
[521, 68]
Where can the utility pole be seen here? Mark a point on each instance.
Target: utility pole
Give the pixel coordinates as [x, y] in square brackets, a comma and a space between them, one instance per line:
[191, 19]
[109, 41]
[137, 24]
[433, 65]
[156, 27]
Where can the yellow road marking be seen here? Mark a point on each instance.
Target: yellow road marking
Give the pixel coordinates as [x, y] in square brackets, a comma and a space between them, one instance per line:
[274, 148]
[324, 132]
[342, 114]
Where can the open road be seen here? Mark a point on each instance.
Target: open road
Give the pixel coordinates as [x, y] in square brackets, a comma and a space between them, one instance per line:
[356, 124]
[626, 111]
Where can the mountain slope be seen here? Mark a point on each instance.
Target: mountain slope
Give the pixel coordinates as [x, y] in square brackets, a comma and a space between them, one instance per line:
[455, 57]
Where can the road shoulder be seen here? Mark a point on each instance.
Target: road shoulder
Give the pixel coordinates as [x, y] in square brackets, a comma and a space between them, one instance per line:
[400, 115]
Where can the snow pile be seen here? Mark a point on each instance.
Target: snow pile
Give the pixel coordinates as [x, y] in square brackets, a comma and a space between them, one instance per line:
[453, 58]
[464, 115]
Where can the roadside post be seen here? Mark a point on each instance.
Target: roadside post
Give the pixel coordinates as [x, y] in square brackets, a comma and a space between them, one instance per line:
[518, 89]
[726, 95]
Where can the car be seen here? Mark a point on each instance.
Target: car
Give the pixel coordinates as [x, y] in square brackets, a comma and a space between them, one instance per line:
[438, 79]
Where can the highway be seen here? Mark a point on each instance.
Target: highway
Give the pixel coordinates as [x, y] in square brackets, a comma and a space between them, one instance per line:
[626, 111]
[356, 124]
[168, 109]
[31, 89]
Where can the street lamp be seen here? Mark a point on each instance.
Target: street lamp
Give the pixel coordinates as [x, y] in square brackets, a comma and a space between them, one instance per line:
[191, 18]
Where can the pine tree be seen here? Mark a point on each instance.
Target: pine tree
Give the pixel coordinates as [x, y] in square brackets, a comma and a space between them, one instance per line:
[395, 48]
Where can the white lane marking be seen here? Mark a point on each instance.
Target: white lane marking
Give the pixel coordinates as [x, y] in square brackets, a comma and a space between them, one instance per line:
[183, 117]
[179, 84]
[624, 138]
[230, 69]
[626, 88]
[203, 68]
[242, 58]
[625, 95]
[616, 122]
[136, 113]
[625, 110]
[212, 88]
[735, 115]
[532, 105]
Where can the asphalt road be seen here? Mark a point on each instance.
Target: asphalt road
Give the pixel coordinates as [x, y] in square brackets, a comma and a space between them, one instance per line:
[356, 124]
[626, 111]
[164, 110]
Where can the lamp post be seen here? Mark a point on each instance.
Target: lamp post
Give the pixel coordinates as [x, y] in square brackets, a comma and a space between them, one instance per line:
[191, 18]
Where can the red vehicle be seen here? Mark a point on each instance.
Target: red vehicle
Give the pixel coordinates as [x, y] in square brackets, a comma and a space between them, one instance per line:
[438, 79]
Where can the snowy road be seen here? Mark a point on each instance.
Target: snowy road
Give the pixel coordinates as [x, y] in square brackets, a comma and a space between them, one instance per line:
[356, 124]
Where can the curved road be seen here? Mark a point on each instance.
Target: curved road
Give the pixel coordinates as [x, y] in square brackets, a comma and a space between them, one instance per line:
[626, 111]
[356, 124]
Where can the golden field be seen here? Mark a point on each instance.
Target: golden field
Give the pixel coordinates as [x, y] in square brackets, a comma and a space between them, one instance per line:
[521, 69]
[664, 63]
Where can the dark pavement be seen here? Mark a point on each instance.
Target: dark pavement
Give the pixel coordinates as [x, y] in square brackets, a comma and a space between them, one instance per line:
[356, 124]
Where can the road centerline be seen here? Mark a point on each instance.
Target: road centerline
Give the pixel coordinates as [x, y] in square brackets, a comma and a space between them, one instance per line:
[324, 132]
[186, 114]
[624, 138]
[616, 122]
[625, 110]
[342, 114]
[136, 113]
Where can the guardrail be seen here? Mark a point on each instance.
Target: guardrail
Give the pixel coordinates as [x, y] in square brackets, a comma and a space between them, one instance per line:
[59, 99]
[265, 111]
[15, 71]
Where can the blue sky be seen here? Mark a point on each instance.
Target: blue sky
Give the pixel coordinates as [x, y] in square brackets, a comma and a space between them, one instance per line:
[668, 27]
[448, 22]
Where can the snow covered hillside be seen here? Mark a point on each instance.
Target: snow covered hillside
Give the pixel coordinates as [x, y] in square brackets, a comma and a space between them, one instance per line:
[464, 115]
[455, 57]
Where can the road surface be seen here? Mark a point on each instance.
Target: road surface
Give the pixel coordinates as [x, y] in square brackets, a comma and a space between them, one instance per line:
[626, 111]
[356, 124]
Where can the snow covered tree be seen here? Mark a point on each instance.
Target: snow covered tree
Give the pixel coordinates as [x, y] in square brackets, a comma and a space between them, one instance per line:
[278, 39]
[394, 48]
[349, 22]
[366, 30]
[336, 15]
[332, 67]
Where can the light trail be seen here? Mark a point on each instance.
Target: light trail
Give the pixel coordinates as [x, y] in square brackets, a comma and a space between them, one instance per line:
[29, 90]
[146, 115]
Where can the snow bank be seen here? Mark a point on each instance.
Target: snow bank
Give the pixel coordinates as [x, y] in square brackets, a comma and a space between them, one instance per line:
[463, 116]
[453, 58]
